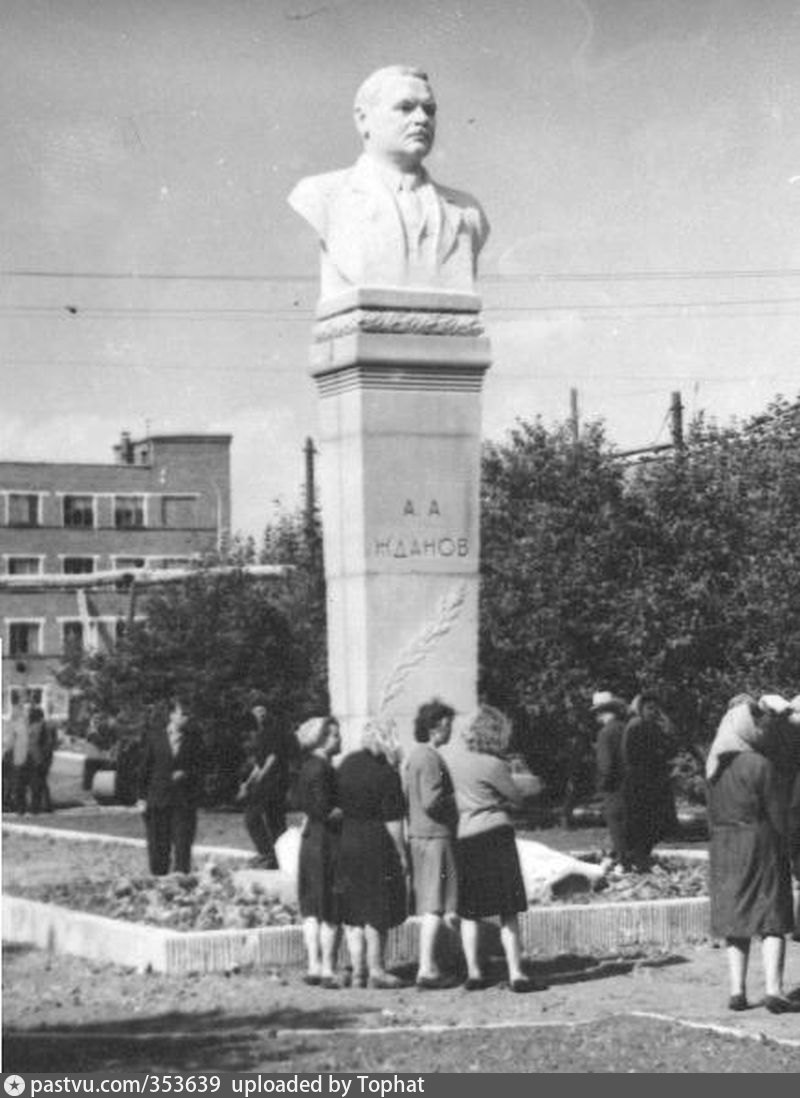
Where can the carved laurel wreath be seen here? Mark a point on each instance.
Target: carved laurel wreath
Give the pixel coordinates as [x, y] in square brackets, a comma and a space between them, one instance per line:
[398, 323]
[447, 611]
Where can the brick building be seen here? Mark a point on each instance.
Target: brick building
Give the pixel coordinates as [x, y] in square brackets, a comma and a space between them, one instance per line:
[163, 502]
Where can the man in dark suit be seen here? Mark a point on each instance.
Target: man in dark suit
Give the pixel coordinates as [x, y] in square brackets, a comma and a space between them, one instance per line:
[170, 783]
[384, 222]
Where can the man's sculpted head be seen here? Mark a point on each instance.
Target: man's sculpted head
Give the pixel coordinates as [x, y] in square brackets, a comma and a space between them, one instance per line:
[395, 113]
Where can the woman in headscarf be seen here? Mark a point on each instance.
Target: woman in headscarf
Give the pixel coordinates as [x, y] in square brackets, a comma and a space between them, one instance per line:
[315, 795]
[373, 863]
[489, 874]
[749, 872]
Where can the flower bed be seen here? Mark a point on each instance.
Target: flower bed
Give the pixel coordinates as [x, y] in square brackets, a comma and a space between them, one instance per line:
[108, 880]
[206, 900]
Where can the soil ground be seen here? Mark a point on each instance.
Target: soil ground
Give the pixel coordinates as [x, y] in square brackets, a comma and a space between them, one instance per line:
[645, 1011]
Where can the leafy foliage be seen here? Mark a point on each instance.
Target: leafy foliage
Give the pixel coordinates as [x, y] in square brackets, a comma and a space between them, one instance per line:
[218, 637]
[681, 574]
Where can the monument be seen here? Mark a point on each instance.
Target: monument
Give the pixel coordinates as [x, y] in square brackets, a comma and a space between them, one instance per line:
[398, 357]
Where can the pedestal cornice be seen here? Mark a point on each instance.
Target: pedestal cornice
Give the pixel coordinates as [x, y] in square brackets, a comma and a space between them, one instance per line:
[375, 328]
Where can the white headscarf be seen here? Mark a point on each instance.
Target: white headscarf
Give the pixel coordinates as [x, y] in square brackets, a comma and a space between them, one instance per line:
[738, 731]
[312, 732]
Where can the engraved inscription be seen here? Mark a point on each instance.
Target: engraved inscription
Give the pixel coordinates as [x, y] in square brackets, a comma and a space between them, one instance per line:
[424, 547]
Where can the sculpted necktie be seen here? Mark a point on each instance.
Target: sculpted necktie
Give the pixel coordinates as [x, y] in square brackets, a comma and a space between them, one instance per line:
[412, 212]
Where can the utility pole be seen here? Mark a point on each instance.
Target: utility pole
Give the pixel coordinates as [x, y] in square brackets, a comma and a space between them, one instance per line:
[676, 420]
[573, 415]
[310, 493]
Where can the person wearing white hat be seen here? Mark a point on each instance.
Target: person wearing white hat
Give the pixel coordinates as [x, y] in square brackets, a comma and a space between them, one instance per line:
[610, 712]
[749, 869]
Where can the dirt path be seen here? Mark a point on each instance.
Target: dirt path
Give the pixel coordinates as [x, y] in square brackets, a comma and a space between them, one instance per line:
[597, 1014]
[63, 1013]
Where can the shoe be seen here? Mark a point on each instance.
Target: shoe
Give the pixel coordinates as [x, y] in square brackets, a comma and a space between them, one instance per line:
[523, 986]
[435, 983]
[738, 1002]
[312, 980]
[385, 981]
[475, 983]
[779, 1004]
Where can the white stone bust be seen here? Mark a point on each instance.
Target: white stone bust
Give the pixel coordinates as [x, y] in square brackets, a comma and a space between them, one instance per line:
[383, 221]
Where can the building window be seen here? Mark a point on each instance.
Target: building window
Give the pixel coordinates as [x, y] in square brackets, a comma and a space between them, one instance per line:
[24, 566]
[72, 636]
[23, 509]
[126, 564]
[77, 566]
[128, 512]
[79, 511]
[24, 638]
[179, 512]
[19, 695]
[173, 562]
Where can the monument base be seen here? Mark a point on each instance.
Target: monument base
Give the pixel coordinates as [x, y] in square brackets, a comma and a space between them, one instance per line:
[399, 374]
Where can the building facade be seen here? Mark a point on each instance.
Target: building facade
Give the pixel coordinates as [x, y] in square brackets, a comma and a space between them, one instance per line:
[164, 502]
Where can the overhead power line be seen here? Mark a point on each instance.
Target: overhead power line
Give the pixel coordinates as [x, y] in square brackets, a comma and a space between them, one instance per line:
[156, 276]
[301, 313]
[516, 276]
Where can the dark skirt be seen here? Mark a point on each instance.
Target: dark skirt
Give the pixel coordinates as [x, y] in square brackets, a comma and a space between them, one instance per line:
[489, 875]
[750, 883]
[319, 848]
[370, 885]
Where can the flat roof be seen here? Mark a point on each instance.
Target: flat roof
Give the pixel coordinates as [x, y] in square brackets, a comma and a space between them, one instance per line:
[113, 464]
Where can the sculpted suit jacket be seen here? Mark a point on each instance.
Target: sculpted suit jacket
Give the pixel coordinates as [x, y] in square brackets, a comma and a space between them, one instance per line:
[364, 240]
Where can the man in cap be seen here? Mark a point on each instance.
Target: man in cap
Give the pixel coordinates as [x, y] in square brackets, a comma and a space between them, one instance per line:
[610, 712]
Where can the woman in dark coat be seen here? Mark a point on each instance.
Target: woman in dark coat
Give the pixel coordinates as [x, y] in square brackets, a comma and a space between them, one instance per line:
[373, 863]
[315, 795]
[750, 880]
[647, 749]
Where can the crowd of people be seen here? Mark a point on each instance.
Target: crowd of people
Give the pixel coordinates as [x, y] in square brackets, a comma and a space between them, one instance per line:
[382, 837]
[432, 834]
[386, 837]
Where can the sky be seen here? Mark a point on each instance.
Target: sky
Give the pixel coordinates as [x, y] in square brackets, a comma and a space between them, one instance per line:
[639, 162]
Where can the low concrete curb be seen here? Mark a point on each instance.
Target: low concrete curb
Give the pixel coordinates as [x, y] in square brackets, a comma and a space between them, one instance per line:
[568, 928]
[547, 931]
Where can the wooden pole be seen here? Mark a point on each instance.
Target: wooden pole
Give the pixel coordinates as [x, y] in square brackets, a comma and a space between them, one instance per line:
[574, 418]
[311, 493]
[676, 418]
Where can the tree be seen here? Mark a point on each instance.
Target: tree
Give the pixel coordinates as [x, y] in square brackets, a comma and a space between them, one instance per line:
[553, 564]
[219, 636]
[681, 574]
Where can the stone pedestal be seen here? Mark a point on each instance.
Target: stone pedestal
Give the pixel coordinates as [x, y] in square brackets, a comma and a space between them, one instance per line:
[399, 374]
